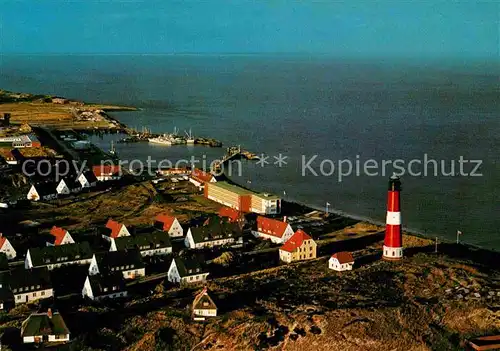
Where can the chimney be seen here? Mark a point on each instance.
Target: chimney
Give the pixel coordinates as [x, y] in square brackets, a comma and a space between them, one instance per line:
[284, 219]
[49, 313]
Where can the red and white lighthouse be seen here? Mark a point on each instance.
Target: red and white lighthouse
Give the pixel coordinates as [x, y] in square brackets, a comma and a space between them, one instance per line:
[393, 242]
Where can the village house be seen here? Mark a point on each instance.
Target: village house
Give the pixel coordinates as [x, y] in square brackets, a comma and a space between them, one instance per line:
[233, 216]
[108, 286]
[59, 236]
[42, 191]
[87, 179]
[215, 232]
[6, 247]
[341, 261]
[104, 173]
[58, 256]
[186, 271]
[199, 178]
[115, 230]
[129, 263]
[169, 224]
[45, 328]
[203, 306]
[68, 186]
[299, 247]
[27, 286]
[272, 229]
[149, 244]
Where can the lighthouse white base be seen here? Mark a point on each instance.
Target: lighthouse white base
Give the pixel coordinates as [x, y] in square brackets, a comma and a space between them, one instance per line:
[392, 253]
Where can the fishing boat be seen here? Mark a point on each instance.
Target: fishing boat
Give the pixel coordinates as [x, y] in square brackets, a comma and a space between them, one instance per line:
[162, 140]
[189, 137]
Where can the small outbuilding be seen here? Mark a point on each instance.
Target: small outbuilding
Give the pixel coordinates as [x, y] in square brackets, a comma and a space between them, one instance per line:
[203, 306]
[341, 261]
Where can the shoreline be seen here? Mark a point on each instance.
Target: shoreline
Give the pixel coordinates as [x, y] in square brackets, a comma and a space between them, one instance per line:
[406, 231]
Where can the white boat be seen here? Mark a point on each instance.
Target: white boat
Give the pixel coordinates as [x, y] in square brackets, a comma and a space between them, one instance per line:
[189, 137]
[162, 140]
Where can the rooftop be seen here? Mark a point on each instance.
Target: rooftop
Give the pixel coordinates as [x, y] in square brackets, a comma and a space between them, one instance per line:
[44, 324]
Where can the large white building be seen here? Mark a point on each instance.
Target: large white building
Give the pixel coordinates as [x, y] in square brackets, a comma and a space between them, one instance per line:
[242, 199]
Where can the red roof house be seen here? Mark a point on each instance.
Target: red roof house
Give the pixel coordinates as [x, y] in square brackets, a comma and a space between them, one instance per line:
[273, 229]
[341, 261]
[299, 247]
[199, 177]
[233, 215]
[117, 230]
[107, 172]
[6, 247]
[169, 224]
[60, 236]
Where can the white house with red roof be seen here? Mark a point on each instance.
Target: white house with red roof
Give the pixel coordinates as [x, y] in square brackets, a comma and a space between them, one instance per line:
[59, 236]
[116, 230]
[107, 172]
[169, 224]
[299, 247]
[6, 247]
[272, 229]
[199, 177]
[341, 261]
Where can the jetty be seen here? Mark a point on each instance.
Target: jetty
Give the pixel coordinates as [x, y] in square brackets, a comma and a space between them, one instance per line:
[234, 153]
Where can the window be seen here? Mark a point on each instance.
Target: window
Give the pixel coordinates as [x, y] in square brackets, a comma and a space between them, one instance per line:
[34, 294]
[190, 278]
[32, 287]
[38, 286]
[105, 289]
[393, 253]
[14, 290]
[42, 293]
[18, 297]
[310, 255]
[205, 303]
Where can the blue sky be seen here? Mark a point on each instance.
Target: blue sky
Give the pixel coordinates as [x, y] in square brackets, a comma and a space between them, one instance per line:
[346, 28]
